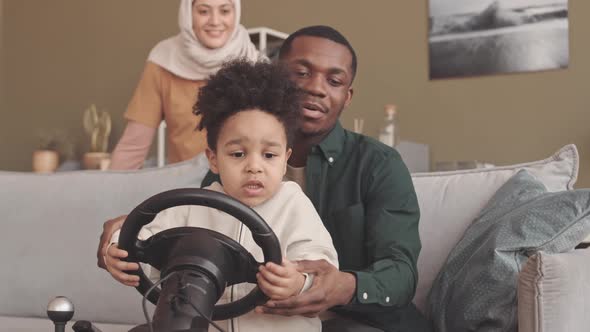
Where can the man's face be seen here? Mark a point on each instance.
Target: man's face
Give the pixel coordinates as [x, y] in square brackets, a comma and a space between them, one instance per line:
[322, 68]
[251, 156]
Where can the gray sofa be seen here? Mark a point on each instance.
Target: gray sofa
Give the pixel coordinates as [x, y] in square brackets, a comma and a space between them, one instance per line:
[52, 223]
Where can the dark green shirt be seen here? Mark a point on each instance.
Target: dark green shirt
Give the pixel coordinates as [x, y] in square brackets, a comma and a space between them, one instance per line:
[364, 194]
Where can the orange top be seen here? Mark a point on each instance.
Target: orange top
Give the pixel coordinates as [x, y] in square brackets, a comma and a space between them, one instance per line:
[161, 95]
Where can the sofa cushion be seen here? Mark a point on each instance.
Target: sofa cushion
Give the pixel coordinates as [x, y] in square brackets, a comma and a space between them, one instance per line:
[476, 288]
[449, 201]
[23, 324]
[553, 292]
[50, 229]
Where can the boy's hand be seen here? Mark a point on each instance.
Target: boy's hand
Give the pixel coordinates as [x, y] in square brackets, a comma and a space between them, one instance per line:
[116, 266]
[280, 282]
[330, 288]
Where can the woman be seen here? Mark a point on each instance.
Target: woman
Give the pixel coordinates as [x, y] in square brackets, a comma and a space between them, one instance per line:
[176, 69]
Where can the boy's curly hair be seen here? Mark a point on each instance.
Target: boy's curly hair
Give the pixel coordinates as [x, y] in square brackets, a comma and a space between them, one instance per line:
[242, 85]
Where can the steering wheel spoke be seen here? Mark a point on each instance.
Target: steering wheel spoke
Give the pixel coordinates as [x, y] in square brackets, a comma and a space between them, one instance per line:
[217, 256]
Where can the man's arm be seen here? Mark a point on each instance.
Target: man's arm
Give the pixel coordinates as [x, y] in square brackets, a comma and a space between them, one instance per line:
[108, 229]
[393, 242]
[330, 288]
[111, 226]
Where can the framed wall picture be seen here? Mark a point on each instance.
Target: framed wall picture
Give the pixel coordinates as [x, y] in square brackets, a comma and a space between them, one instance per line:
[485, 37]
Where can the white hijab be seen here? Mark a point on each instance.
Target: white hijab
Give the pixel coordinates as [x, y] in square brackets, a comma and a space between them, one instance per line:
[185, 56]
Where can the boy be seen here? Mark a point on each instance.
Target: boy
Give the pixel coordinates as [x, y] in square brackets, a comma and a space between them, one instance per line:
[250, 113]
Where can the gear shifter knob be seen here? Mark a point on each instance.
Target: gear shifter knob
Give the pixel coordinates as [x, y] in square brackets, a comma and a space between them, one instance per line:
[60, 310]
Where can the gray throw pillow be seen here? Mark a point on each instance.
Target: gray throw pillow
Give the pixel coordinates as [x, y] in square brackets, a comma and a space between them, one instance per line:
[476, 289]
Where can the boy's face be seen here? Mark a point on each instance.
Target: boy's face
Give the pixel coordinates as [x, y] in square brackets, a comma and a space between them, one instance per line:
[251, 156]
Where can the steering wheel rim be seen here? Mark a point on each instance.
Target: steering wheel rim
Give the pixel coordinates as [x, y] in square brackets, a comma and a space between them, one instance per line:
[145, 212]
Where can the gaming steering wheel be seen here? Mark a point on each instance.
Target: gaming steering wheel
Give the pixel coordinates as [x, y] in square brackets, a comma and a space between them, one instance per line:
[222, 260]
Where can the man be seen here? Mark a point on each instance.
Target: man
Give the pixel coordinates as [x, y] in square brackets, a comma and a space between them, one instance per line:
[362, 191]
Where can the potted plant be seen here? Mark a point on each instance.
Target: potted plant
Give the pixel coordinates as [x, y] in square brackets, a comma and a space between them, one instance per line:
[53, 147]
[98, 127]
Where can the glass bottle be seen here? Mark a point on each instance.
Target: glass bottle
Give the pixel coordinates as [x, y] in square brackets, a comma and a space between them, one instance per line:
[389, 134]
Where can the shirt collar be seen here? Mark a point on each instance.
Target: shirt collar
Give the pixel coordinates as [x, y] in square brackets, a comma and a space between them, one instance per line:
[331, 147]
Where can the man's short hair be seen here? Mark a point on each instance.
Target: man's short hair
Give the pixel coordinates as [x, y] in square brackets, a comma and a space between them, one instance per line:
[242, 85]
[321, 31]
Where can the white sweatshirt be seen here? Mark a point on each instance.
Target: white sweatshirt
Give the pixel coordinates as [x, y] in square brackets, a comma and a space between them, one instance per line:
[300, 231]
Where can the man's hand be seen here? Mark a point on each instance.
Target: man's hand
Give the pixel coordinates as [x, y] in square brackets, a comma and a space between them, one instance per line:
[279, 282]
[117, 267]
[108, 228]
[330, 288]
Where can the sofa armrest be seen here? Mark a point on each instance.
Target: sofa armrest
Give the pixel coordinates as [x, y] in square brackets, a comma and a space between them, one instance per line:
[554, 292]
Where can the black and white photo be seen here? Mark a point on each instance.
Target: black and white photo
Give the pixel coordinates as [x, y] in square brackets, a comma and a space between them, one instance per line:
[485, 37]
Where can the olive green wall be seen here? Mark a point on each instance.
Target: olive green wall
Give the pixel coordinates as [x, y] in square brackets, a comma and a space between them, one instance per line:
[2, 98]
[62, 55]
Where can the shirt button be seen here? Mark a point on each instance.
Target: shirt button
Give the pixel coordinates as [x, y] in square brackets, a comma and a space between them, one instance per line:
[387, 299]
[365, 296]
[330, 160]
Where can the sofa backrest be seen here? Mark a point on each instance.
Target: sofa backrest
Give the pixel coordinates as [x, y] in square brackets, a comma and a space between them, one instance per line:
[50, 229]
[51, 225]
[450, 201]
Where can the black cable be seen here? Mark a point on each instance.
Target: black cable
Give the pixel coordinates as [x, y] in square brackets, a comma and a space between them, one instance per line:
[188, 299]
[143, 301]
[185, 298]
